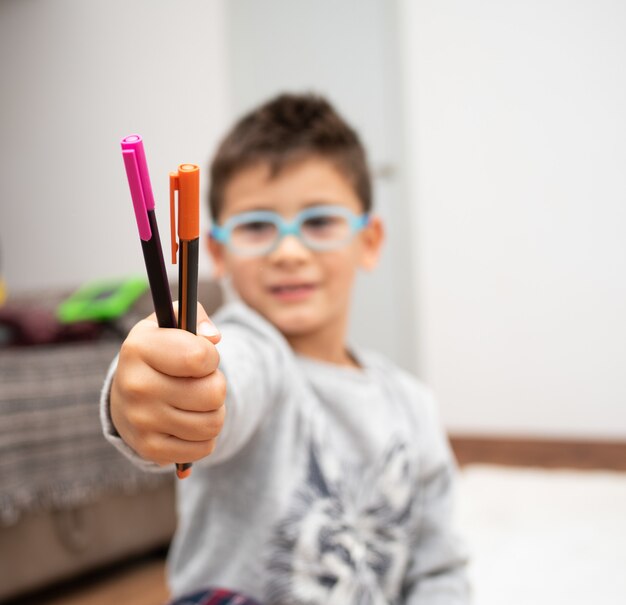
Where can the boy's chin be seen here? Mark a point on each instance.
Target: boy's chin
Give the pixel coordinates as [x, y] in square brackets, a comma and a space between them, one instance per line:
[295, 328]
[294, 322]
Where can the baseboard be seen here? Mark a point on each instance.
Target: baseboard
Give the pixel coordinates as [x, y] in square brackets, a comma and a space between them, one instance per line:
[547, 453]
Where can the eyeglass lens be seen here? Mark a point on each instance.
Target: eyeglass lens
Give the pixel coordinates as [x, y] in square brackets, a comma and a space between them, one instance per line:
[318, 231]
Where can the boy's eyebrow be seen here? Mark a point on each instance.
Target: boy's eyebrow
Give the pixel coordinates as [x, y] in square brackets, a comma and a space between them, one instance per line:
[328, 201]
[322, 202]
[256, 209]
[264, 207]
[250, 207]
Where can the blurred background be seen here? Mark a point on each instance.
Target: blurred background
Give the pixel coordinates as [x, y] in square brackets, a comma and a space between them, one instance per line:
[496, 133]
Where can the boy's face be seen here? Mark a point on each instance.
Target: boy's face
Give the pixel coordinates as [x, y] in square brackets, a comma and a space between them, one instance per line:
[301, 291]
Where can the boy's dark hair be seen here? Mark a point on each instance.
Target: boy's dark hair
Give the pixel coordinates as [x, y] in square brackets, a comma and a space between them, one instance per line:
[284, 129]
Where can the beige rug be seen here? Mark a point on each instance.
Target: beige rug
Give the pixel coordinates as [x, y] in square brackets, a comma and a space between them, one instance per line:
[543, 537]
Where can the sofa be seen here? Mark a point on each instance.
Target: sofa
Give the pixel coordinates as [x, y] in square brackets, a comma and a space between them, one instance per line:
[69, 502]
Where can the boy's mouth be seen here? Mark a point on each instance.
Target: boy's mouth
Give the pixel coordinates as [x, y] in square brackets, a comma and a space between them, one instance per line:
[292, 291]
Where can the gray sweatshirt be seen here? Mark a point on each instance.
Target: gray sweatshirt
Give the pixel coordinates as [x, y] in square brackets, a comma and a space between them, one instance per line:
[329, 485]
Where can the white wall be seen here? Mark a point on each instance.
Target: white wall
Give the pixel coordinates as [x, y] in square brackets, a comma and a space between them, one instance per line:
[77, 76]
[516, 127]
[518, 156]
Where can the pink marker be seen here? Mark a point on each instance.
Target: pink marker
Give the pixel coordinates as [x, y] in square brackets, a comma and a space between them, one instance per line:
[143, 202]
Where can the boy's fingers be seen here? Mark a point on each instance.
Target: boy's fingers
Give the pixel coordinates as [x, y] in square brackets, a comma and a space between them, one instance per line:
[166, 449]
[204, 394]
[195, 426]
[171, 351]
[205, 327]
[209, 331]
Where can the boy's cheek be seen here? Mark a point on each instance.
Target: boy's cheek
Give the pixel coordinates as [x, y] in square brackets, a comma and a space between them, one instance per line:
[247, 279]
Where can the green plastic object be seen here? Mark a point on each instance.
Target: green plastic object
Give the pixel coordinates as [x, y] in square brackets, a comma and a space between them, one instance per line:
[101, 300]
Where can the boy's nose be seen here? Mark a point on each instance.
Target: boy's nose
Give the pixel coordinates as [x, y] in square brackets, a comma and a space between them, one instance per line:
[290, 248]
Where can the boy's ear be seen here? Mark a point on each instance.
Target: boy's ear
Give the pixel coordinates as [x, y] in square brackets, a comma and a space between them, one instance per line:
[372, 237]
[216, 252]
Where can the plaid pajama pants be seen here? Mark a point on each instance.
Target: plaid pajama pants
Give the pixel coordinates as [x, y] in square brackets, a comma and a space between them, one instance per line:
[217, 596]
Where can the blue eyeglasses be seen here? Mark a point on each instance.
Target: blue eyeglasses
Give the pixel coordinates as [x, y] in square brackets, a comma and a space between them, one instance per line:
[260, 231]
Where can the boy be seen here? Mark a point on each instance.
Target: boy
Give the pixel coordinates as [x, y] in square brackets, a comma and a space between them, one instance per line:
[323, 475]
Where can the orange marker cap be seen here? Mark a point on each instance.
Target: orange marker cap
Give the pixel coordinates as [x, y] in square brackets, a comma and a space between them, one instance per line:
[187, 182]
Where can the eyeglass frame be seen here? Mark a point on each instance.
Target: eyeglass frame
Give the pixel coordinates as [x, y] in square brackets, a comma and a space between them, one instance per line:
[222, 233]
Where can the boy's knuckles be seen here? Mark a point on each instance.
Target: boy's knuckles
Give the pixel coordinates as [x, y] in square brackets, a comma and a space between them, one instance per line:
[218, 388]
[210, 393]
[202, 428]
[206, 448]
[177, 452]
[131, 348]
[151, 448]
[139, 418]
[201, 434]
[213, 424]
[219, 417]
[197, 358]
[132, 387]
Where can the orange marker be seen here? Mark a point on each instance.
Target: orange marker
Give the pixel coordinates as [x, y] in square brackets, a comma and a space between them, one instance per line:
[187, 182]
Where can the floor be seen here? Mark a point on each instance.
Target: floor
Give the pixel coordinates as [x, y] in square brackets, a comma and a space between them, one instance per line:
[139, 582]
[544, 536]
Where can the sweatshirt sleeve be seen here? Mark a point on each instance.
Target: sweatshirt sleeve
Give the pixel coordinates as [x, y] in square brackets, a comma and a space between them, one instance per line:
[254, 363]
[437, 570]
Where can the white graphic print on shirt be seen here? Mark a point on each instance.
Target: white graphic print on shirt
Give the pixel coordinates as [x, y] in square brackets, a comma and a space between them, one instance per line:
[346, 538]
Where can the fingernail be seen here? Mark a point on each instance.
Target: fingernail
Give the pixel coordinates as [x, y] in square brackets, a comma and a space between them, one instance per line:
[206, 328]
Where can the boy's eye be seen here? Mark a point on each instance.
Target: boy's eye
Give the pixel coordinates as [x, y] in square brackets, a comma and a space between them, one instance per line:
[253, 233]
[326, 227]
[256, 226]
[322, 222]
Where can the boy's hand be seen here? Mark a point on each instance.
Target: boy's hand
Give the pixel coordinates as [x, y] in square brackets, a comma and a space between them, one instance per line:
[167, 397]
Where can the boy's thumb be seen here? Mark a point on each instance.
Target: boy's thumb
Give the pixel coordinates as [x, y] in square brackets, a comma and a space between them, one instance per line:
[206, 327]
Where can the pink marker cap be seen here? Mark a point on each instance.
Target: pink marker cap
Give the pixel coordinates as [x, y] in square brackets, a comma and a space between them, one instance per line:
[138, 181]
